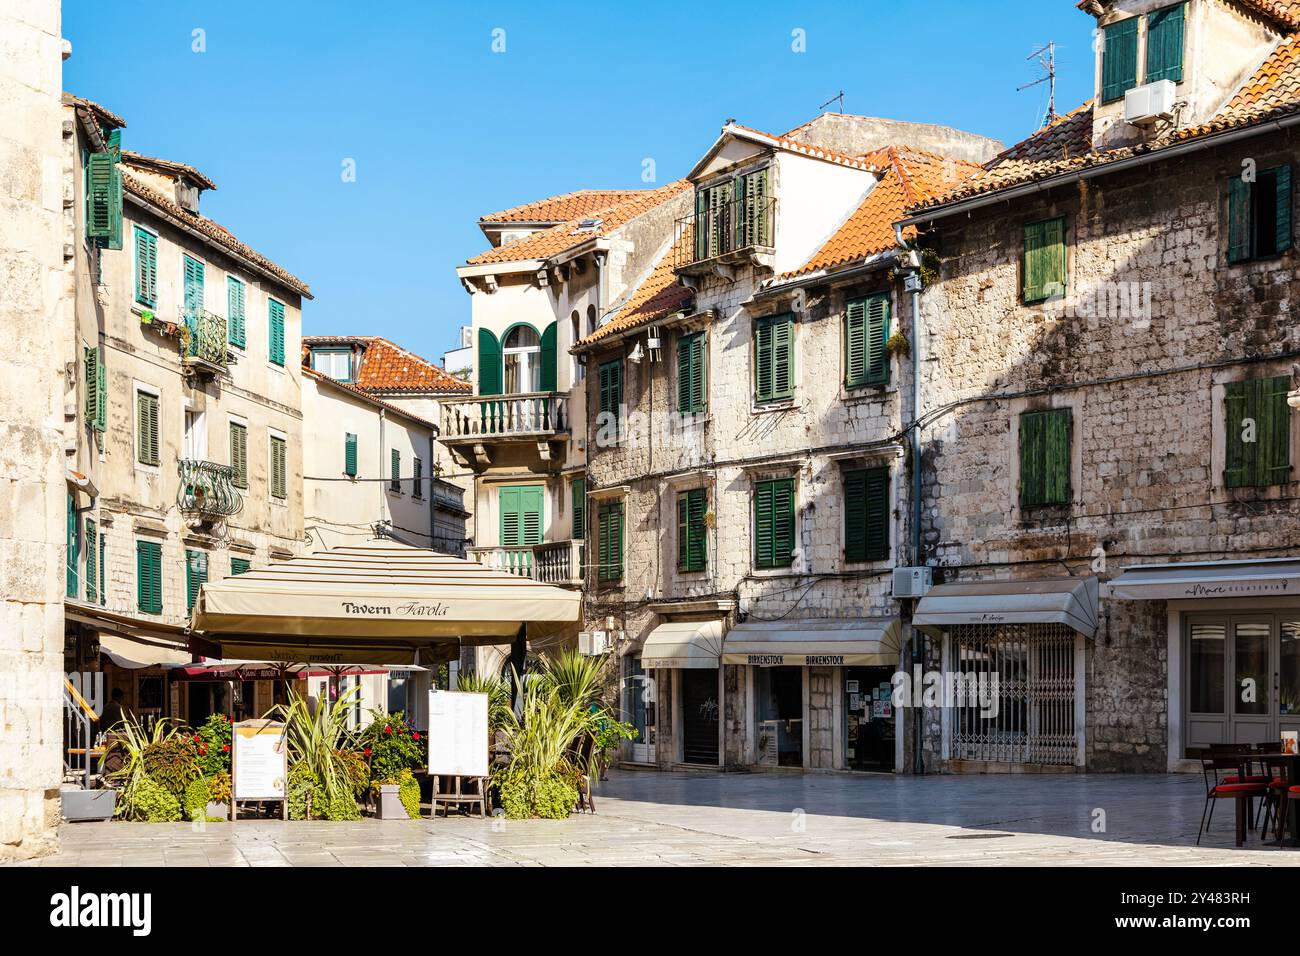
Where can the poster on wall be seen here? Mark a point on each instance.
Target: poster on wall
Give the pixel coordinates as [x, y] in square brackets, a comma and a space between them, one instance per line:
[258, 760]
[458, 733]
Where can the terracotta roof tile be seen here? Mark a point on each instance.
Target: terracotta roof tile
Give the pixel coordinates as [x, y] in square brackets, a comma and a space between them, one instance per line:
[561, 238]
[153, 163]
[557, 209]
[106, 115]
[1285, 12]
[804, 149]
[387, 367]
[658, 296]
[912, 176]
[213, 230]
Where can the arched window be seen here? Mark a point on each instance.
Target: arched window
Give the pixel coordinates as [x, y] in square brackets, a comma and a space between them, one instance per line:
[523, 360]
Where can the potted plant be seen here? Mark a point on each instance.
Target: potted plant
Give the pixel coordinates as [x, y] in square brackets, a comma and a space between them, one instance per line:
[392, 749]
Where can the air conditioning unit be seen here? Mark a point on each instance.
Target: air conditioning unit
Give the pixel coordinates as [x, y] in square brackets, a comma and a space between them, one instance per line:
[593, 643]
[912, 582]
[1144, 105]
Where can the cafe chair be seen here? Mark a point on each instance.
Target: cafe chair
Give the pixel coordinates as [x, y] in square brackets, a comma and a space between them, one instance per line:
[1243, 793]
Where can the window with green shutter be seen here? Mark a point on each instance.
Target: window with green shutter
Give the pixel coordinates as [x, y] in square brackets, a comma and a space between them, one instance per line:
[103, 563]
[96, 378]
[866, 330]
[148, 576]
[104, 199]
[578, 493]
[692, 549]
[752, 204]
[1259, 215]
[279, 467]
[491, 373]
[235, 299]
[1119, 62]
[240, 566]
[239, 453]
[92, 557]
[194, 273]
[1045, 457]
[73, 551]
[691, 381]
[1165, 44]
[866, 514]
[275, 331]
[774, 523]
[146, 267]
[350, 454]
[610, 387]
[773, 358]
[417, 478]
[1258, 423]
[196, 575]
[609, 547]
[1046, 264]
[395, 471]
[146, 428]
[520, 509]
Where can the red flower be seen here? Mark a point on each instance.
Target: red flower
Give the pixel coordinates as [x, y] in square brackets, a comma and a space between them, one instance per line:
[366, 751]
[388, 729]
[225, 748]
[203, 749]
[415, 735]
[196, 738]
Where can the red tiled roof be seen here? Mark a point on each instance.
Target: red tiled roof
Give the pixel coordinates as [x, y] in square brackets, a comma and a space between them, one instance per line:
[387, 367]
[658, 296]
[166, 166]
[557, 239]
[557, 209]
[912, 176]
[106, 115]
[1285, 12]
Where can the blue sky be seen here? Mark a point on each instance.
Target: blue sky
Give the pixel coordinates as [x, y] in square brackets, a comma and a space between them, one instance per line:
[442, 129]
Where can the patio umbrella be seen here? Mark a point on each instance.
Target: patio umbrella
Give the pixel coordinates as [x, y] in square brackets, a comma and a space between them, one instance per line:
[381, 602]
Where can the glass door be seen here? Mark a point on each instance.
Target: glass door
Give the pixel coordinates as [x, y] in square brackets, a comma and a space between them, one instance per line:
[1254, 717]
[638, 709]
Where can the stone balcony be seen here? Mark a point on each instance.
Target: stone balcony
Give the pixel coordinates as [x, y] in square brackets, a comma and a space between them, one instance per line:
[484, 430]
[555, 562]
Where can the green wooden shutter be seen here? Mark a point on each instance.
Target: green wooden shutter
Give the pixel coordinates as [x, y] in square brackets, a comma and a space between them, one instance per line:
[103, 563]
[876, 334]
[1045, 457]
[1056, 485]
[610, 387]
[549, 378]
[275, 311]
[578, 491]
[774, 523]
[521, 515]
[196, 575]
[1239, 455]
[148, 573]
[1045, 264]
[101, 394]
[350, 454]
[417, 478]
[101, 175]
[193, 286]
[1165, 44]
[1266, 460]
[1283, 238]
[92, 577]
[490, 373]
[239, 454]
[240, 566]
[90, 370]
[610, 548]
[1240, 220]
[690, 374]
[855, 343]
[395, 472]
[773, 358]
[510, 520]
[114, 238]
[866, 515]
[701, 237]
[235, 298]
[753, 204]
[692, 554]
[1274, 431]
[72, 551]
[279, 462]
[1119, 61]
[146, 268]
[147, 428]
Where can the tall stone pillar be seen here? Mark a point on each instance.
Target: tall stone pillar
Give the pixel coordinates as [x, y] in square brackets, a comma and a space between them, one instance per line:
[36, 320]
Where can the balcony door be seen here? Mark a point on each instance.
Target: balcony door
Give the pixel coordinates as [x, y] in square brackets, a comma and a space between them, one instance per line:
[195, 444]
[522, 349]
[521, 525]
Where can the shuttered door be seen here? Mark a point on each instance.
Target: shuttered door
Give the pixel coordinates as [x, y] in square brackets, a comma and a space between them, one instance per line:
[490, 372]
[73, 550]
[1165, 45]
[193, 286]
[92, 557]
[1119, 61]
[521, 524]
[239, 454]
[549, 378]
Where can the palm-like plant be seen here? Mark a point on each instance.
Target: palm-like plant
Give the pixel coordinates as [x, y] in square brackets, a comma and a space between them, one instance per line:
[132, 739]
[498, 695]
[319, 739]
[577, 679]
[542, 736]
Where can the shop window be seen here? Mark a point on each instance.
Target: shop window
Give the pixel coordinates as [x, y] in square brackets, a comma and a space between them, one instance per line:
[778, 692]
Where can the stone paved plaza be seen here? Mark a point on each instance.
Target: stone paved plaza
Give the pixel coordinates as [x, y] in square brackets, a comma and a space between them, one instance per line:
[672, 819]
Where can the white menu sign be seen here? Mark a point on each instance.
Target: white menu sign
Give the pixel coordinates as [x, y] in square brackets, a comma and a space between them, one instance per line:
[259, 761]
[458, 733]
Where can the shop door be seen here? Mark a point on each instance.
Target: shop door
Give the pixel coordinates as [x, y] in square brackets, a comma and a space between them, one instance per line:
[1253, 714]
[638, 709]
[1242, 678]
[868, 718]
[778, 693]
[700, 716]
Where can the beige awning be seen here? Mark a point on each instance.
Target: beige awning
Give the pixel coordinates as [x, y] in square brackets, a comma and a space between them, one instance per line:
[381, 602]
[134, 654]
[683, 645]
[864, 642]
[1270, 577]
[1068, 601]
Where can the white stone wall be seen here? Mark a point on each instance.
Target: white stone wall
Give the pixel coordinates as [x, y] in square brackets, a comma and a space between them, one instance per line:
[35, 311]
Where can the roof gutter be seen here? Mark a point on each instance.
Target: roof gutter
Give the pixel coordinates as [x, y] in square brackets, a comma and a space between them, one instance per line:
[1092, 172]
[826, 278]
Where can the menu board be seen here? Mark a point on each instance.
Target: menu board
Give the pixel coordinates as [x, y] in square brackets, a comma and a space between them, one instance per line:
[458, 733]
[259, 760]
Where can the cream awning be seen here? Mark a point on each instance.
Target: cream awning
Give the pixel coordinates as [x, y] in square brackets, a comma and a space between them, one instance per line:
[381, 602]
[1269, 577]
[865, 642]
[1068, 601]
[684, 645]
[134, 654]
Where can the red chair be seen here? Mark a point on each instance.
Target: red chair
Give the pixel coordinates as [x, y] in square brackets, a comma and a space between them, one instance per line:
[1279, 782]
[1243, 793]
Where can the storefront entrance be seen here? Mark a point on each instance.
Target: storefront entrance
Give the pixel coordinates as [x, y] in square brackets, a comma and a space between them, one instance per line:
[778, 693]
[700, 712]
[868, 718]
[1242, 677]
[638, 709]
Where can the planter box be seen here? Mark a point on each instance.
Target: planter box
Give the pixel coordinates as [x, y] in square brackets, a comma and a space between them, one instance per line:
[88, 804]
[390, 803]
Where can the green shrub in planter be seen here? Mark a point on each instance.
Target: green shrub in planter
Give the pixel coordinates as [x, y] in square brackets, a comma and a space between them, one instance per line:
[309, 800]
[197, 796]
[550, 796]
[212, 745]
[153, 803]
[409, 793]
[390, 745]
[171, 764]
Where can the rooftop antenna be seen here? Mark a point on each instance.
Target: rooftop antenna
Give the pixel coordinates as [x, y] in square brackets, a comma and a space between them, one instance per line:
[1046, 56]
[838, 96]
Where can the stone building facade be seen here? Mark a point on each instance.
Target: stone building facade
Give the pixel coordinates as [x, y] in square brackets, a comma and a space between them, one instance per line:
[36, 312]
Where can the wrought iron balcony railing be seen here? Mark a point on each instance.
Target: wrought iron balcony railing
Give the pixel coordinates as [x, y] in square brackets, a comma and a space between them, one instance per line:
[208, 489]
[726, 228]
[204, 338]
[531, 415]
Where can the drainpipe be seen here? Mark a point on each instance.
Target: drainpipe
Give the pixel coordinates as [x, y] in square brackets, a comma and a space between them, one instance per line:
[383, 501]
